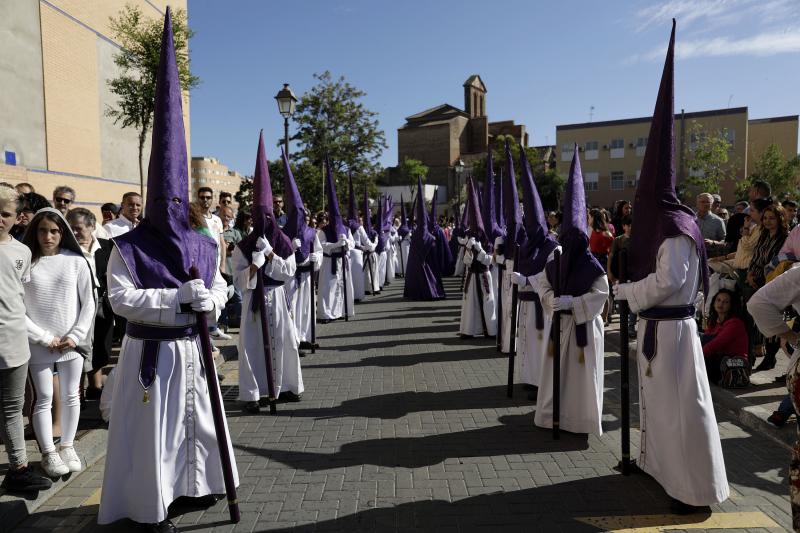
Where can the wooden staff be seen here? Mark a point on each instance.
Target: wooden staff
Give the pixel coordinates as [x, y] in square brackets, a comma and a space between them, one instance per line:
[624, 368]
[499, 336]
[217, 412]
[262, 313]
[512, 338]
[313, 300]
[344, 279]
[557, 350]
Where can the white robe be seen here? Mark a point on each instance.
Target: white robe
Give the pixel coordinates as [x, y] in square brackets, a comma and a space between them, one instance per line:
[581, 391]
[505, 292]
[286, 373]
[369, 273]
[300, 299]
[680, 441]
[459, 271]
[471, 322]
[532, 344]
[382, 268]
[405, 249]
[330, 301]
[167, 447]
[391, 255]
[357, 265]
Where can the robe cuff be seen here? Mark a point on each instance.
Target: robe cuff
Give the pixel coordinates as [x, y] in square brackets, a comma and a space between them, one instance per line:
[579, 311]
[634, 304]
[500, 259]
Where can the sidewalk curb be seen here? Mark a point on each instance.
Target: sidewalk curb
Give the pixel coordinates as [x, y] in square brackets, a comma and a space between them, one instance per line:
[91, 447]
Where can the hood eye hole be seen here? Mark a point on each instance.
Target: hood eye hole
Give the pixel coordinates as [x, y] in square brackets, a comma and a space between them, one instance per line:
[177, 200]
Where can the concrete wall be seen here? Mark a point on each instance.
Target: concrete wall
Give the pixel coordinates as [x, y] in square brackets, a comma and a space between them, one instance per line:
[22, 116]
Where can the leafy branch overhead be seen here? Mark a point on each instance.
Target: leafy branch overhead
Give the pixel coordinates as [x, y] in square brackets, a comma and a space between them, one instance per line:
[137, 61]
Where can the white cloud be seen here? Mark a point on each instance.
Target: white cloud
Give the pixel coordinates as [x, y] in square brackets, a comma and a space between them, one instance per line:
[717, 13]
[764, 44]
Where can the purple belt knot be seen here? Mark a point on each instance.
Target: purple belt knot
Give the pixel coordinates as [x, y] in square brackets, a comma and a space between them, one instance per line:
[653, 316]
[152, 336]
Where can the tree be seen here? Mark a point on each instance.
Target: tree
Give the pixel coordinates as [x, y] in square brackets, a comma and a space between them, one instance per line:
[550, 185]
[708, 160]
[140, 39]
[783, 174]
[411, 169]
[331, 121]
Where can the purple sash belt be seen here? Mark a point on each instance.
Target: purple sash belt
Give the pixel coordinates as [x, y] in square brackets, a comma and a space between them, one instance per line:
[532, 296]
[655, 315]
[152, 336]
[303, 268]
[335, 256]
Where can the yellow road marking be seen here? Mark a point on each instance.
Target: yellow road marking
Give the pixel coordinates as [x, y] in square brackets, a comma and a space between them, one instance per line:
[94, 499]
[665, 522]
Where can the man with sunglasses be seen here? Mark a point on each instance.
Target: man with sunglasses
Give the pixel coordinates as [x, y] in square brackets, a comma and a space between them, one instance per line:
[129, 213]
[63, 198]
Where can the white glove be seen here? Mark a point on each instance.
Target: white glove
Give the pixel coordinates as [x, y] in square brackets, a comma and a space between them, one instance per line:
[519, 279]
[259, 259]
[296, 245]
[203, 305]
[461, 240]
[500, 259]
[499, 241]
[314, 258]
[190, 290]
[619, 291]
[562, 303]
[471, 242]
[262, 243]
[551, 256]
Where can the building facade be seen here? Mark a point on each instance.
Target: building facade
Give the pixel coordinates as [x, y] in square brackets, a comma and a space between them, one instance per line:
[440, 136]
[209, 172]
[57, 58]
[612, 151]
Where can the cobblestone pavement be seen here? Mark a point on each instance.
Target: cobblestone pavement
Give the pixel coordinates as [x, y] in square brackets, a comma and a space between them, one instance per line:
[406, 427]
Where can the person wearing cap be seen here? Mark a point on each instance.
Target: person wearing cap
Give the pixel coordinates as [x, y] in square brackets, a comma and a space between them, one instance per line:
[582, 291]
[335, 279]
[162, 437]
[680, 444]
[269, 252]
[478, 311]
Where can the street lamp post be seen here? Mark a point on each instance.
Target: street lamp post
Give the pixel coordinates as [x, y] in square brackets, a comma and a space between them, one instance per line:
[459, 168]
[286, 105]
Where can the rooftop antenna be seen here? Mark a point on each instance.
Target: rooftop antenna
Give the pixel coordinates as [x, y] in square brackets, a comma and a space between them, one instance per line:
[729, 101]
[591, 113]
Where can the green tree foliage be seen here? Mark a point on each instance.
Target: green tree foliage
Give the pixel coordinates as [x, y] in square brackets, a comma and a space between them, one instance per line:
[135, 87]
[331, 121]
[411, 169]
[708, 158]
[782, 173]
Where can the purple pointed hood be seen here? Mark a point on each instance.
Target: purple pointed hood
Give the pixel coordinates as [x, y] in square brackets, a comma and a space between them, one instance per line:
[352, 212]
[160, 251]
[296, 226]
[489, 204]
[539, 242]
[371, 233]
[264, 222]
[499, 213]
[380, 221]
[335, 225]
[475, 226]
[421, 216]
[659, 212]
[403, 230]
[515, 231]
[579, 268]
[432, 224]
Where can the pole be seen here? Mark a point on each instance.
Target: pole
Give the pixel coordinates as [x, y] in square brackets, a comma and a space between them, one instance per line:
[557, 350]
[402, 260]
[512, 338]
[344, 279]
[217, 411]
[286, 135]
[624, 368]
[262, 312]
[500, 269]
[313, 301]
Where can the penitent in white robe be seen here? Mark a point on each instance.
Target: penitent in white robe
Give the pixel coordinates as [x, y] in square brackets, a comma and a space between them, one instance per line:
[299, 294]
[405, 248]
[581, 382]
[283, 341]
[532, 344]
[471, 321]
[167, 447]
[505, 292]
[357, 264]
[331, 297]
[391, 255]
[382, 267]
[459, 270]
[680, 441]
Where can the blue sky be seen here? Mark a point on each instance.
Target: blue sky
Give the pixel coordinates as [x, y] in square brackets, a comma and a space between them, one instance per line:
[544, 62]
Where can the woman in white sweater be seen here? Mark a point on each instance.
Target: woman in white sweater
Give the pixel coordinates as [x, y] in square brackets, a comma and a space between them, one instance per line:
[60, 310]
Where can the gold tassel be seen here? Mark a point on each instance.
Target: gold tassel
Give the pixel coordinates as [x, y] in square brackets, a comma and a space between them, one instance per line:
[649, 372]
[146, 398]
[581, 358]
[540, 335]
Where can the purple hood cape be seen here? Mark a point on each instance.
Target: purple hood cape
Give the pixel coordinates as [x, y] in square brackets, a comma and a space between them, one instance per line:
[296, 227]
[659, 213]
[539, 243]
[421, 283]
[403, 230]
[264, 222]
[335, 225]
[489, 204]
[515, 231]
[160, 251]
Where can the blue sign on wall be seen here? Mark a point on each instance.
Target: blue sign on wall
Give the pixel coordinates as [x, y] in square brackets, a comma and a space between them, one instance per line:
[11, 158]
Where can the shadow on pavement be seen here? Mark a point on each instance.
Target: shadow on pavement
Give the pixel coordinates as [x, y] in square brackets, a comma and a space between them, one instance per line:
[408, 359]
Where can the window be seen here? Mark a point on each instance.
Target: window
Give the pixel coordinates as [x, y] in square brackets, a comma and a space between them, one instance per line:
[641, 146]
[731, 136]
[590, 150]
[617, 148]
[590, 181]
[566, 151]
[11, 157]
[617, 181]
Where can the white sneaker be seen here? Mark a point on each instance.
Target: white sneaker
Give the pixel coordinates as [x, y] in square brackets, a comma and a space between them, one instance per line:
[71, 459]
[219, 334]
[53, 466]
